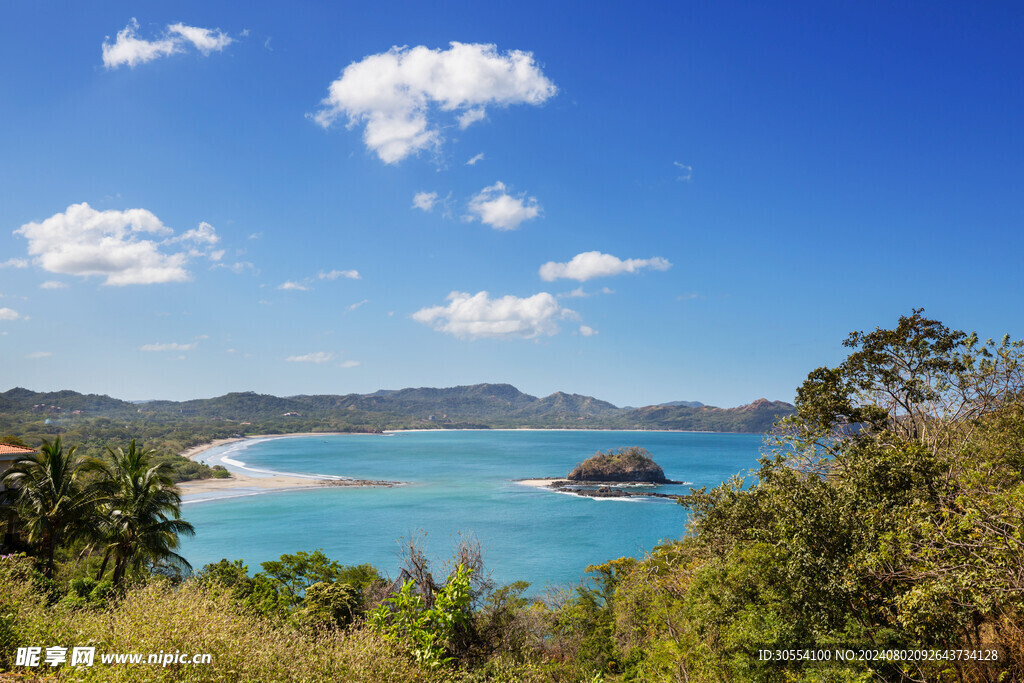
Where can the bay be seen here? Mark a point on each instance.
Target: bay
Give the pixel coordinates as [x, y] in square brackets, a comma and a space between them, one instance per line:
[458, 483]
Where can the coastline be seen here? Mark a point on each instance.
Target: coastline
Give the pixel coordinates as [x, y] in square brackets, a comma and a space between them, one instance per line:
[274, 482]
[237, 481]
[537, 483]
[191, 453]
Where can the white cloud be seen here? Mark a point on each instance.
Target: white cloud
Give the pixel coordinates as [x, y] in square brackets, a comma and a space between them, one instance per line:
[478, 157]
[238, 267]
[495, 207]
[14, 263]
[349, 364]
[424, 201]
[358, 304]
[9, 314]
[587, 331]
[335, 274]
[580, 293]
[129, 49]
[296, 286]
[685, 171]
[85, 242]
[39, 354]
[315, 357]
[396, 93]
[472, 316]
[203, 39]
[172, 346]
[591, 264]
[470, 117]
[52, 284]
[204, 234]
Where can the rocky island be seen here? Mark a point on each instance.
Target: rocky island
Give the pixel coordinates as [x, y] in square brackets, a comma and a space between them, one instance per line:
[610, 474]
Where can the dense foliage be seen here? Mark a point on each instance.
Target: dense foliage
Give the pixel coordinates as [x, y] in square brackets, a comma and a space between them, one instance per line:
[886, 515]
[130, 512]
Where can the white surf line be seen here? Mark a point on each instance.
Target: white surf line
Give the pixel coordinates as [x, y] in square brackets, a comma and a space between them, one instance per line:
[223, 457]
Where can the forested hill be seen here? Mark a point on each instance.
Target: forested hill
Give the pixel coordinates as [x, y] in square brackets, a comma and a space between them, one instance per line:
[479, 405]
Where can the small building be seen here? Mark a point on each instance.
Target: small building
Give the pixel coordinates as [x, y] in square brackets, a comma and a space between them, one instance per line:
[8, 454]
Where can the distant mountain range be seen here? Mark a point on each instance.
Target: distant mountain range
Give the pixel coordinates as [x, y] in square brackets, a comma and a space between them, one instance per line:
[478, 405]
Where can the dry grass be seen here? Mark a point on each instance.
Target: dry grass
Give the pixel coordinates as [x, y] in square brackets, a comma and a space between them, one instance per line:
[161, 618]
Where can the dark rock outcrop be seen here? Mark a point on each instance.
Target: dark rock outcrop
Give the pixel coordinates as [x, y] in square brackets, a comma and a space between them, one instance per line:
[631, 464]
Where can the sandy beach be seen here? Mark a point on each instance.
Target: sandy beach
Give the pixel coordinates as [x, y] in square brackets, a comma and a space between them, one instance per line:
[196, 450]
[238, 480]
[537, 483]
[242, 481]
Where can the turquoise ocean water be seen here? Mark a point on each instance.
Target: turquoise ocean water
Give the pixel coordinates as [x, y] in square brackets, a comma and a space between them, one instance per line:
[460, 482]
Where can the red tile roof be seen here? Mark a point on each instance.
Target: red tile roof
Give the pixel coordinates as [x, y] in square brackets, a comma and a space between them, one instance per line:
[8, 449]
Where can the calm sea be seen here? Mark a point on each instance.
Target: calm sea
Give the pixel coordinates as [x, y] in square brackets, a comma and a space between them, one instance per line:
[460, 482]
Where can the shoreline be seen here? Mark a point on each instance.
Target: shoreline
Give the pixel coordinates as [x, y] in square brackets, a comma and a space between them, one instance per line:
[274, 482]
[238, 481]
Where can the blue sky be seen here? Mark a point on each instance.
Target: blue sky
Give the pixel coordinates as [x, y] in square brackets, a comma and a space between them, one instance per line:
[690, 202]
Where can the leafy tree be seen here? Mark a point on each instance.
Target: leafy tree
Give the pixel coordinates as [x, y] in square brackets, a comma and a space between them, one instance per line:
[429, 632]
[295, 573]
[141, 513]
[283, 590]
[54, 501]
[330, 605]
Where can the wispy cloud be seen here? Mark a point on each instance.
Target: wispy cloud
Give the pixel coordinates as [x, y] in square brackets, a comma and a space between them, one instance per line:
[335, 274]
[52, 284]
[14, 263]
[172, 346]
[685, 171]
[9, 314]
[478, 157]
[349, 364]
[39, 354]
[474, 316]
[587, 331]
[591, 264]
[396, 94]
[500, 210]
[129, 49]
[238, 267]
[315, 357]
[293, 286]
[358, 304]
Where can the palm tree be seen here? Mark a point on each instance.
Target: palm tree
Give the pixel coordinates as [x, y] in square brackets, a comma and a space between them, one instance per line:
[53, 500]
[142, 513]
